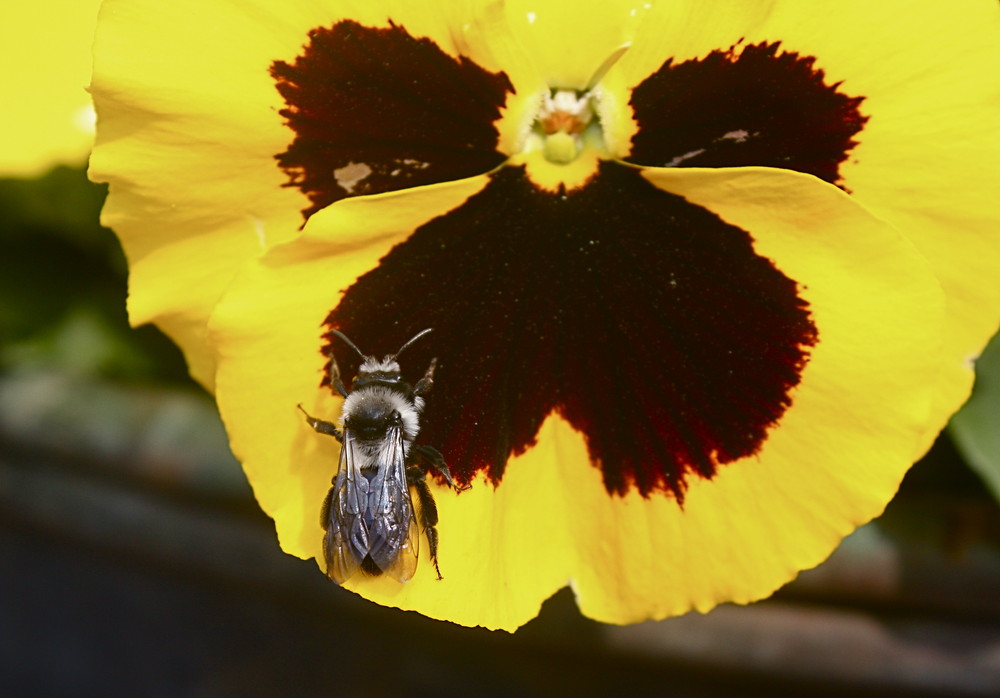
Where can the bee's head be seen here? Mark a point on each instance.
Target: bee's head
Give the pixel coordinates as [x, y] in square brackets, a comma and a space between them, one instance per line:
[373, 371]
[384, 372]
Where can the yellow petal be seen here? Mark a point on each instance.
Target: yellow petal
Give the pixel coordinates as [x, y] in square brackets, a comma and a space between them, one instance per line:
[839, 453]
[569, 42]
[830, 464]
[926, 158]
[188, 132]
[47, 117]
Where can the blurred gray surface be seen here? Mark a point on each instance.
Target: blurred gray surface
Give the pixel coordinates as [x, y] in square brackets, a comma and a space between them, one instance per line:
[136, 563]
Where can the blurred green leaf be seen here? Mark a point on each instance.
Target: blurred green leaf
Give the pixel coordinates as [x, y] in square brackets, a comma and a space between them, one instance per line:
[976, 429]
[84, 341]
[54, 255]
[63, 287]
[63, 203]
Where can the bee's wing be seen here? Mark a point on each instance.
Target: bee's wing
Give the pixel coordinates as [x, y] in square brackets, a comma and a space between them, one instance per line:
[346, 541]
[394, 537]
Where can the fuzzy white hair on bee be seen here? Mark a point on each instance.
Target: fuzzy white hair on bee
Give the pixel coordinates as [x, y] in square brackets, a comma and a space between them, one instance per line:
[378, 402]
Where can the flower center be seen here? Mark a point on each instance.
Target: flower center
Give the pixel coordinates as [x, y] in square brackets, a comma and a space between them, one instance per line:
[567, 123]
[564, 124]
[565, 142]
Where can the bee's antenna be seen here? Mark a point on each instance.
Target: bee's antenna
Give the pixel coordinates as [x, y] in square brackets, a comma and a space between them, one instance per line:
[412, 340]
[351, 344]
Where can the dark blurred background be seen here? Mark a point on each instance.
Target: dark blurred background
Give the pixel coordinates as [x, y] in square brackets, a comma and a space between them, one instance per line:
[136, 562]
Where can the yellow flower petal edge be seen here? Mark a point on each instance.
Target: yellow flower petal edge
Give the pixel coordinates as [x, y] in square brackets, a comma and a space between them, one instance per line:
[47, 117]
[831, 464]
[187, 133]
[927, 159]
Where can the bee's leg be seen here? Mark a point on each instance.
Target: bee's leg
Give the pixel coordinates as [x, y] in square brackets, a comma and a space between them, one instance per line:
[430, 456]
[335, 379]
[428, 511]
[425, 384]
[322, 426]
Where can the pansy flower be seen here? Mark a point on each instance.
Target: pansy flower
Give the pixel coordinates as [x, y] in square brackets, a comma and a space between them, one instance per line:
[704, 278]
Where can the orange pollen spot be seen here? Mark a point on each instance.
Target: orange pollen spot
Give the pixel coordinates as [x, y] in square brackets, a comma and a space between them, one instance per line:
[562, 121]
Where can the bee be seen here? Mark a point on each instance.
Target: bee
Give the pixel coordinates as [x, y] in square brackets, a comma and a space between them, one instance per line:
[368, 514]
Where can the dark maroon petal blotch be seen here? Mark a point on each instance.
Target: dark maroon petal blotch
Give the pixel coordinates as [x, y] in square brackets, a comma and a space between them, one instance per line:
[748, 105]
[376, 110]
[648, 323]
